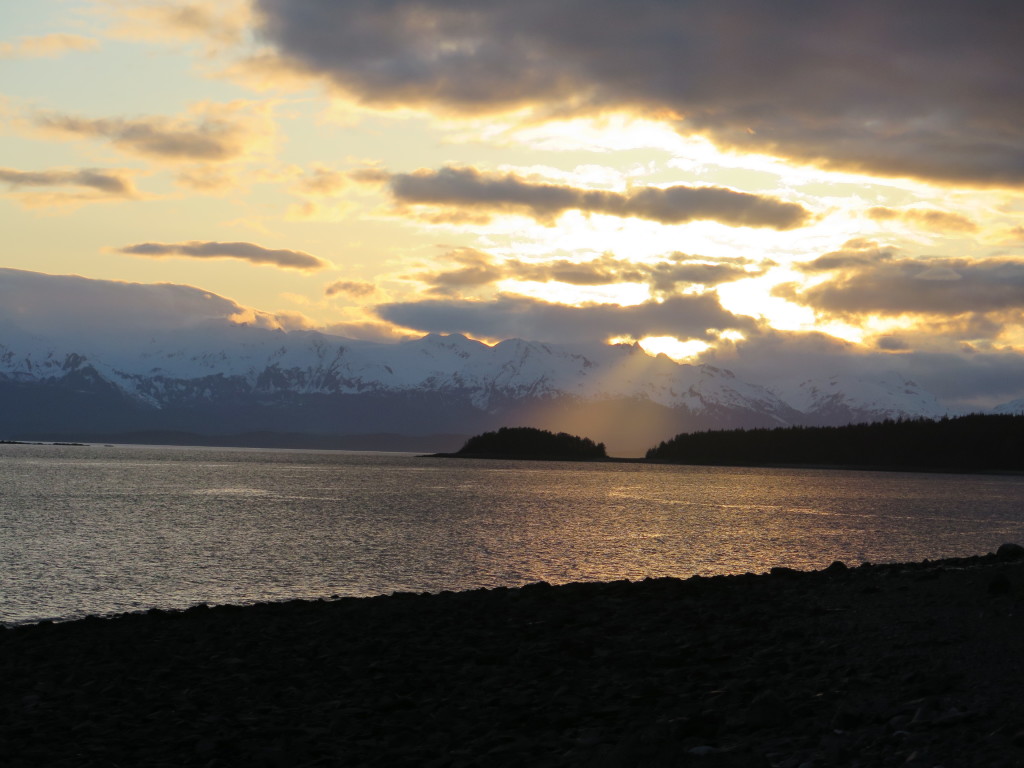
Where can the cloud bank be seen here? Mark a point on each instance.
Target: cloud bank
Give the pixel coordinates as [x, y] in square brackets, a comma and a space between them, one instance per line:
[250, 252]
[100, 310]
[928, 90]
[964, 382]
[879, 283]
[688, 317]
[111, 315]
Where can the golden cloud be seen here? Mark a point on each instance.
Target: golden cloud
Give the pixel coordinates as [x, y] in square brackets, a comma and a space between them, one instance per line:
[46, 46]
[925, 218]
[210, 133]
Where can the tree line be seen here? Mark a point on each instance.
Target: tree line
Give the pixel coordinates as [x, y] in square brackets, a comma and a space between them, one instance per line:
[975, 442]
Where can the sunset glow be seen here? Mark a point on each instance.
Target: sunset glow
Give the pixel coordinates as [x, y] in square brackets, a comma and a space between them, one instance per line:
[379, 186]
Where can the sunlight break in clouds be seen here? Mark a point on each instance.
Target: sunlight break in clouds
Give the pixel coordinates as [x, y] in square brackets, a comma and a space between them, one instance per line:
[841, 185]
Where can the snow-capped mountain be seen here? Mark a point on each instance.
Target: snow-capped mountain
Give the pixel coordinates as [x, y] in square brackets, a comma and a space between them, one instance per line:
[1011, 408]
[845, 399]
[223, 379]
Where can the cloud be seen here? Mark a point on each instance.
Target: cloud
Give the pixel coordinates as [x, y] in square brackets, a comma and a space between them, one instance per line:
[685, 317]
[854, 254]
[63, 186]
[321, 181]
[46, 46]
[218, 25]
[477, 269]
[211, 133]
[369, 331]
[928, 285]
[354, 289]
[244, 251]
[1014, 235]
[469, 188]
[108, 182]
[961, 380]
[942, 221]
[896, 89]
[699, 270]
[97, 311]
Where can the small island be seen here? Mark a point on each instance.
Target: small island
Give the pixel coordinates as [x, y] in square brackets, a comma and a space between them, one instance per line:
[529, 443]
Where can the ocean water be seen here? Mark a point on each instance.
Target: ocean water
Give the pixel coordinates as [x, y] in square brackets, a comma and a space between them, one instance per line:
[108, 529]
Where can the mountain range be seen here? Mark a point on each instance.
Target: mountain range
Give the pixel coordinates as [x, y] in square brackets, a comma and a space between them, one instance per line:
[221, 380]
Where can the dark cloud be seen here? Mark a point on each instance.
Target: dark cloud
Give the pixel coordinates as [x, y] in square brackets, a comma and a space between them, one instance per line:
[928, 90]
[934, 286]
[477, 268]
[106, 182]
[925, 218]
[685, 317]
[352, 288]
[245, 251]
[469, 188]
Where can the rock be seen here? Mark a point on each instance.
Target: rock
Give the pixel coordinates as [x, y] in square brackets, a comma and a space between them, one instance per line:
[1010, 551]
[1000, 585]
[703, 750]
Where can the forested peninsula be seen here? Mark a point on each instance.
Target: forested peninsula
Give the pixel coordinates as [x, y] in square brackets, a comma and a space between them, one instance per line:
[989, 443]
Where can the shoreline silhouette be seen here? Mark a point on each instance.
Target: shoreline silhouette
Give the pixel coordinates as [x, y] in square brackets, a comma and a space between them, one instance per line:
[912, 663]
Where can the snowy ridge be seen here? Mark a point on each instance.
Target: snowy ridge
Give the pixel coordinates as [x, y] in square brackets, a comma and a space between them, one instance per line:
[857, 398]
[215, 362]
[1011, 408]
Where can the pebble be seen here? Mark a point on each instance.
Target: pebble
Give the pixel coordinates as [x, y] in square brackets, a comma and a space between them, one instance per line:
[791, 669]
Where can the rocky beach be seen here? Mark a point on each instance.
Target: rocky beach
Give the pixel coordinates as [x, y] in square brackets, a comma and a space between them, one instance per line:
[917, 664]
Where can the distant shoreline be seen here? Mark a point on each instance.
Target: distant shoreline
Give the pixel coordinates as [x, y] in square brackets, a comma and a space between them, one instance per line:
[474, 457]
[641, 460]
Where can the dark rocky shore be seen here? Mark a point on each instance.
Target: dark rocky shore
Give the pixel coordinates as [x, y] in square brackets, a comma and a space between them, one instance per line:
[904, 665]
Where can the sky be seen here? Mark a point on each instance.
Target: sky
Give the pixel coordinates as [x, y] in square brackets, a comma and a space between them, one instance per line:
[823, 187]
